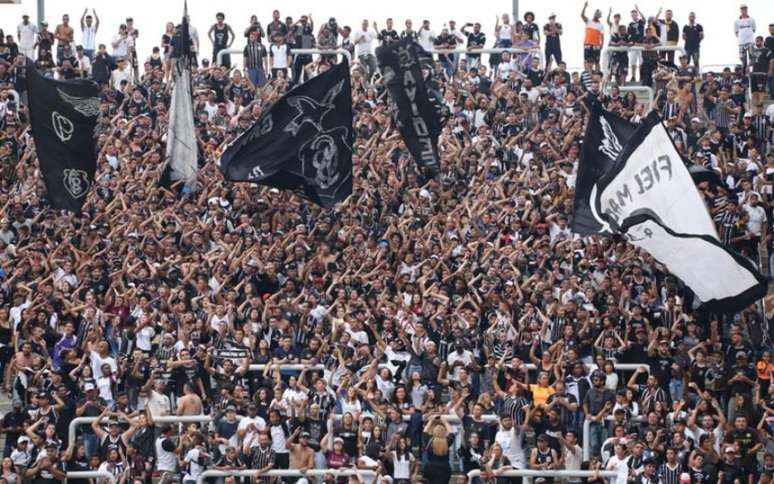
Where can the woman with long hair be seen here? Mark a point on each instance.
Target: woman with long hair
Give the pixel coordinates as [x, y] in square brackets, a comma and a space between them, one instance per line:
[439, 439]
[497, 464]
[403, 465]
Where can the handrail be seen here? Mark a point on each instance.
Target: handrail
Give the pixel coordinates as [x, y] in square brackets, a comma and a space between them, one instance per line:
[635, 48]
[77, 421]
[529, 366]
[91, 474]
[493, 50]
[284, 473]
[706, 68]
[647, 89]
[587, 430]
[344, 52]
[547, 473]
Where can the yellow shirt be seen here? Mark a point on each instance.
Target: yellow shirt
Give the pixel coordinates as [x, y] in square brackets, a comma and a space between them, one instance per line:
[540, 394]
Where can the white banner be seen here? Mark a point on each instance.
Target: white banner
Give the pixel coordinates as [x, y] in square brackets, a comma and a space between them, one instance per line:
[655, 178]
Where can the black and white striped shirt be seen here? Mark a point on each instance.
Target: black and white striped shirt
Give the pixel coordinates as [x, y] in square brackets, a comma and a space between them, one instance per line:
[670, 475]
[262, 457]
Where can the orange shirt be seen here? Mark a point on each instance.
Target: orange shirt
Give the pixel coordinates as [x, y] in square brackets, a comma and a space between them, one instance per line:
[763, 369]
[594, 31]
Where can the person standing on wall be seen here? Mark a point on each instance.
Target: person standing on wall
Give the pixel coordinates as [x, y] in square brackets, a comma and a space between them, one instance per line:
[222, 36]
[693, 34]
[594, 36]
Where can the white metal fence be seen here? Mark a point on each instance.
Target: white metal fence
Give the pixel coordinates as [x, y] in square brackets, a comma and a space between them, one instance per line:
[285, 473]
[92, 475]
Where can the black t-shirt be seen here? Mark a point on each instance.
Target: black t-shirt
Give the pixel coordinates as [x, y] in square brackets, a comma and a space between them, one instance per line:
[551, 39]
[730, 473]
[761, 57]
[741, 386]
[388, 36]
[635, 32]
[532, 29]
[476, 40]
[692, 36]
[661, 368]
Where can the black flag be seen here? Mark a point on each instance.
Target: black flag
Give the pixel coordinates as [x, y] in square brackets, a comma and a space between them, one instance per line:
[418, 109]
[605, 136]
[63, 115]
[302, 142]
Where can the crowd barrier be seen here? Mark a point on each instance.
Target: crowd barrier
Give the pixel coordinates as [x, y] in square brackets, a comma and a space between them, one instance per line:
[285, 473]
[91, 475]
[587, 436]
[620, 48]
[547, 473]
[77, 421]
[343, 52]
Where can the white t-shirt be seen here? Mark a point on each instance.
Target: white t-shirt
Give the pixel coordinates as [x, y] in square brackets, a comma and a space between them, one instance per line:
[105, 392]
[745, 30]
[259, 423]
[426, 37]
[27, 35]
[97, 362]
[757, 218]
[145, 337]
[621, 467]
[122, 48]
[505, 32]
[511, 442]
[84, 64]
[194, 469]
[364, 47]
[466, 357]
[89, 37]
[279, 56]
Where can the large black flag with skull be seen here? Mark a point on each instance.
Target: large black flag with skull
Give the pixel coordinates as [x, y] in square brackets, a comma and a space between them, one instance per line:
[302, 142]
[63, 115]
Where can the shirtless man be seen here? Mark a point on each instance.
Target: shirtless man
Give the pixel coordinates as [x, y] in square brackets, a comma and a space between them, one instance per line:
[190, 403]
[301, 455]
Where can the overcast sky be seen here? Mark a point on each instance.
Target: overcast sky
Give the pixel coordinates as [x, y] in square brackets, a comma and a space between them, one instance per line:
[150, 16]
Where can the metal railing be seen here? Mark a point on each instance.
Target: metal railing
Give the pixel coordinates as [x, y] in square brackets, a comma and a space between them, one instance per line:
[78, 421]
[343, 52]
[528, 366]
[91, 475]
[635, 89]
[587, 431]
[621, 48]
[285, 473]
[547, 473]
[493, 50]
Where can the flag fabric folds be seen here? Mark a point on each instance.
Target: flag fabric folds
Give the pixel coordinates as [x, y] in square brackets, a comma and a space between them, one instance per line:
[182, 149]
[418, 108]
[601, 146]
[64, 115]
[649, 197]
[302, 142]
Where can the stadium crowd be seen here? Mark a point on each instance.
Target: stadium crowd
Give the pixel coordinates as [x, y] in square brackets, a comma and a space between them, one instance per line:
[438, 326]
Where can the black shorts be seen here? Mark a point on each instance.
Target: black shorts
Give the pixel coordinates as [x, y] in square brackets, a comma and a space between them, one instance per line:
[758, 81]
[591, 52]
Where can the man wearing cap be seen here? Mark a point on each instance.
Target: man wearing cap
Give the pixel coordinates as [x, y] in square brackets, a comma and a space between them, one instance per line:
[251, 424]
[27, 33]
[113, 438]
[729, 469]
[301, 455]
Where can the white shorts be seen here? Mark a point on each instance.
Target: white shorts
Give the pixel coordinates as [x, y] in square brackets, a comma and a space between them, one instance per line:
[635, 57]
